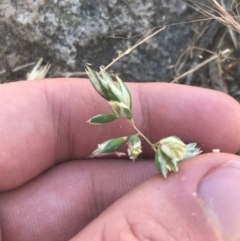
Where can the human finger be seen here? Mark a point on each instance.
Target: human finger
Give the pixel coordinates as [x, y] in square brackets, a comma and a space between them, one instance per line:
[45, 122]
[199, 203]
[59, 203]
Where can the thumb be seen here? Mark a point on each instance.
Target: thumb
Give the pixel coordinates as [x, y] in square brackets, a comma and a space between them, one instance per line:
[199, 203]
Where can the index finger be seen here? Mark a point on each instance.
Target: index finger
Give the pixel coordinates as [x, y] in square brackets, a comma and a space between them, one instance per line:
[44, 122]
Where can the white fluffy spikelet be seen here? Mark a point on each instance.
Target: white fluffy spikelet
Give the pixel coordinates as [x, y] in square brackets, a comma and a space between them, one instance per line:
[39, 73]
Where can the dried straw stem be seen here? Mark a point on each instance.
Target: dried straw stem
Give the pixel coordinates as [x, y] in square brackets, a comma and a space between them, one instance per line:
[222, 16]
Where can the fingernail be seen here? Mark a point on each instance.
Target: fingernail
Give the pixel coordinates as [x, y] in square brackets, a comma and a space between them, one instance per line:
[220, 193]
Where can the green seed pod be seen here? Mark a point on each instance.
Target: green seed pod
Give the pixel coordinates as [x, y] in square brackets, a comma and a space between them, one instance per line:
[172, 139]
[161, 163]
[102, 119]
[120, 109]
[126, 95]
[134, 147]
[99, 84]
[113, 91]
[173, 148]
[109, 147]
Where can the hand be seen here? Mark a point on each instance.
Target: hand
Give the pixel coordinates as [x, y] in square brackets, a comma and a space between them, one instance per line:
[50, 191]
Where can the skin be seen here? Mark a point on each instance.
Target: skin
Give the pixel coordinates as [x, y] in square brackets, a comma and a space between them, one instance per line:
[51, 191]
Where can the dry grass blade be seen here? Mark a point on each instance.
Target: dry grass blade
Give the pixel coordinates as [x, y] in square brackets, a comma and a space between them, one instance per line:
[181, 61]
[219, 13]
[226, 51]
[128, 51]
[18, 68]
[227, 20]
[4, 50]
[70, 74]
